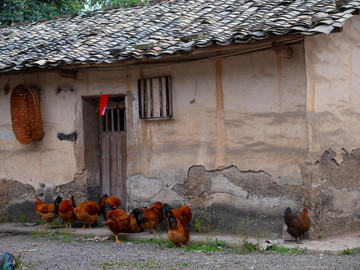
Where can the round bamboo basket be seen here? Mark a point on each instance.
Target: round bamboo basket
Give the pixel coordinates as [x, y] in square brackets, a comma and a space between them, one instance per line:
[26, 114]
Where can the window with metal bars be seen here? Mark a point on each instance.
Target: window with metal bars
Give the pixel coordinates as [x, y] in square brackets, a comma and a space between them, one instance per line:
[155, 97]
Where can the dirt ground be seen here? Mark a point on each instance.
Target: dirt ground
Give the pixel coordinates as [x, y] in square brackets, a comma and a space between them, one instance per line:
[89, 249]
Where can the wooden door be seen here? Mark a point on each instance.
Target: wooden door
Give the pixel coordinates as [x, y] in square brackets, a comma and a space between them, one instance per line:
[113, 150]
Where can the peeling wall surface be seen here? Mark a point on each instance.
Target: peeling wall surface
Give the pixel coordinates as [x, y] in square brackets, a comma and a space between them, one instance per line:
[250, 135]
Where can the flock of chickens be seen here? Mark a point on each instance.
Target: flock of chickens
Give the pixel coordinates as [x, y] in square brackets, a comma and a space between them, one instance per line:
[117, 220]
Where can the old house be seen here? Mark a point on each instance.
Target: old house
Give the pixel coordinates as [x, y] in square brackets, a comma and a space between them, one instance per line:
[236, 108]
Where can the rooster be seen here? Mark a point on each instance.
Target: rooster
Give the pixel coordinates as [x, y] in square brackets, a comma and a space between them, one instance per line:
[113, 202]
[117, 221]
[7, 261]
[183, 213]
[134, 227]
[177, 233]
[297, 226]
[47, 212]
[149, 218]
[66, 212]
[87, 212]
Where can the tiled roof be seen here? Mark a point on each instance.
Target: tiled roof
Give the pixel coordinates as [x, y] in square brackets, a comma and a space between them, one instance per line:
[166, 28]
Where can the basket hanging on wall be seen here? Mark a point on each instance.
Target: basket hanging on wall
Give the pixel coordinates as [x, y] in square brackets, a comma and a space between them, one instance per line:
[26, 114]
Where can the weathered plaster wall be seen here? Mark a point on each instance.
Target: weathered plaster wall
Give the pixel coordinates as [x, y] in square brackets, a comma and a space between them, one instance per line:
[251, 135]
[49, 162]
[333, 90]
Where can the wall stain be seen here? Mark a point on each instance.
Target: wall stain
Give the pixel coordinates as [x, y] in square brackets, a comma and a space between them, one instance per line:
[350, 77]
[280, 92]
[220, 117]
[144, 158]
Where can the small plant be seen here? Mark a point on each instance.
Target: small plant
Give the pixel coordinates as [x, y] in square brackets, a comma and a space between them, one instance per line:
[247, 247]
[56, 223]
[197, 225]
[212, 245]
[284, 250]
[319, 236]
[23, 219]
[202, 226]
[106, 265]
[18, 261]
[136, 264]
[169, 244]
[352, 251]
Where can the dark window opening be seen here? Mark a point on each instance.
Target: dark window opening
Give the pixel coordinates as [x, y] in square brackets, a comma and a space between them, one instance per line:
[155, 97]
[114, 118]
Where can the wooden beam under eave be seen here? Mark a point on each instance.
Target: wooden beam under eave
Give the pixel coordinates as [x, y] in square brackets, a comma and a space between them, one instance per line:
[67, 73]
[198, 54]
[282, 50]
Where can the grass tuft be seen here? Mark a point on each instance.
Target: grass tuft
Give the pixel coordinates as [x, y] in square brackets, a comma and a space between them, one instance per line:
[210, 245]
[285, 250]
[352, 251]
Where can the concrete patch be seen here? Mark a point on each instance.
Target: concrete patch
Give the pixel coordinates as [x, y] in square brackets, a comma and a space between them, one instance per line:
[16, 200]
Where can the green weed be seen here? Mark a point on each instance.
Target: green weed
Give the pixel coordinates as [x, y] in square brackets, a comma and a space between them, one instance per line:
[18, 261]
[202, 226]
[352, 251]
[67, 237]
[107, 265]
[247, 247]
[211, 245]
[284, 250]
[139, 264]
[319, 236]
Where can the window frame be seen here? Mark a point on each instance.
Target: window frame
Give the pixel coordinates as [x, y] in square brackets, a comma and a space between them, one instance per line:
[146, 91]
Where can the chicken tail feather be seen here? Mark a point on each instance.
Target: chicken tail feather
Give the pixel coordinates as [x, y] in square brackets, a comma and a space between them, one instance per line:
[7, 261]
[287, 211]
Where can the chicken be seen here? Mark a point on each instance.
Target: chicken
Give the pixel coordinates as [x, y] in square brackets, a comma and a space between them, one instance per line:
[66, 212]
[47, 212]
[7, 261]
[183, 213]
[297, 226]
[117, 221]
[102, 200]
[177, 233]
[134, 227]
[87, 212]
[149, 218]
[112, 201]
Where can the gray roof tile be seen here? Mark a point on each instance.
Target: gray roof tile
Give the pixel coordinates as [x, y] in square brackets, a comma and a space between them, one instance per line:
[113, 35]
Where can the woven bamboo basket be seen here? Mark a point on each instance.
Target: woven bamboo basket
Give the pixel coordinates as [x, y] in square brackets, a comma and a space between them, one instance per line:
[26, 114]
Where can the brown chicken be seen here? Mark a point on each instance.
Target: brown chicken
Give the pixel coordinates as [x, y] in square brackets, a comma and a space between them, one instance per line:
[149, 218]
[112, 201]
[66, 212]
[117, 221]
[297, 226]
[87, 212]
[134, 227]
[47, 212]
[183, 213]
[177, 233]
